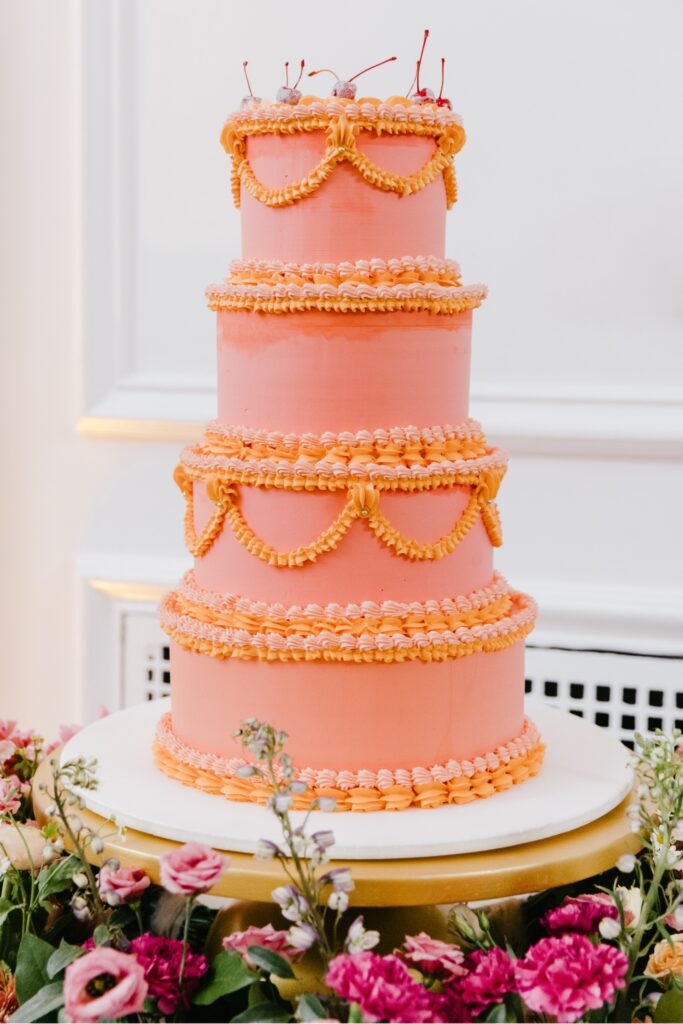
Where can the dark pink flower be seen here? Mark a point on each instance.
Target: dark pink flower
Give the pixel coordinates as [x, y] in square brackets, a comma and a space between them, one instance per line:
[121, 885]
[566, 976]
[191, 869]
[268, 937]
[382, 988]
[432, 956]
[580, 914]
[103, 983]
[491, 978]
[160, 959]
[448, 1005]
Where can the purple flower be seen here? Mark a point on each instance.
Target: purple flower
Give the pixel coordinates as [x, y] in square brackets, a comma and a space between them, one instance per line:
[160, 959]
[581, 914]
[382, 988]
[566, 976]
[491, 977]
[432, 956]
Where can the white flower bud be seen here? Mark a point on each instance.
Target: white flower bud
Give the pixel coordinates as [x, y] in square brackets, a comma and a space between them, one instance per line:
[282, 802]
[338, 901]
[609, 928]
[635, 827]
[49, 852]
[626, 863]
[5, 865]
[96, 844]
[302, 936]
[74, 822]
[51, 810]
[80, 879]
[327, 804]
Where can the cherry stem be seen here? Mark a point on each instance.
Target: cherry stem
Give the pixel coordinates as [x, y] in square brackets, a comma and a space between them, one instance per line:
[419, 59]
[286, 74]
[244, 69]
[301, 71]
[372, 66]
[443, 74]
[320, 71]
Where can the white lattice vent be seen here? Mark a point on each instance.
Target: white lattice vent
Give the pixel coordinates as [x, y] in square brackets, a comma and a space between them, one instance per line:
[623, 693]
[145, 661]
[620, 692]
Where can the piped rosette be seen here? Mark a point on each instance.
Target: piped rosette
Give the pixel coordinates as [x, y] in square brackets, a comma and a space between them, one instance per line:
[365, 464]
[230, 626]
[410, 283]
[388, 789]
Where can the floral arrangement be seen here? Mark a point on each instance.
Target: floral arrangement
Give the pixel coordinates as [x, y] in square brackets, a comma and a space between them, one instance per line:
[86, 944]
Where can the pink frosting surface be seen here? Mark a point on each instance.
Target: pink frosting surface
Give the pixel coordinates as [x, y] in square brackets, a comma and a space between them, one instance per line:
[360, 565]
[350, 716]
[345, 219]
[348, 371]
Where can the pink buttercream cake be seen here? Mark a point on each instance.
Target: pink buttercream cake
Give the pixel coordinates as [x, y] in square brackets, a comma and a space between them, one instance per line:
[341, 508]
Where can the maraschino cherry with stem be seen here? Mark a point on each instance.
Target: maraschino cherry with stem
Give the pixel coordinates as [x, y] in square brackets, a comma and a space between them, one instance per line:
[346, 89]
[441, 100]
[248, 100]
[421, 95]
[289, 93]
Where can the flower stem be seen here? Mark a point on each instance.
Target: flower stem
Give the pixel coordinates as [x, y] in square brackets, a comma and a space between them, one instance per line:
[183, 961]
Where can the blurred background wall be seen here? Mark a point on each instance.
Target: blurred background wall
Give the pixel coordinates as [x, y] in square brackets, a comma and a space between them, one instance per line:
[116, 213]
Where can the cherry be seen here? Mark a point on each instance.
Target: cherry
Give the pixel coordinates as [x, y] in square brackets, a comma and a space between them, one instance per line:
[248, 100]
[423, 95]
[289, 93]
[441, 100]
[346, 89]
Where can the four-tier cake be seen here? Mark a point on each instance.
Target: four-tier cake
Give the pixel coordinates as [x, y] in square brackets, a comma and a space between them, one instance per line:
[341, 508]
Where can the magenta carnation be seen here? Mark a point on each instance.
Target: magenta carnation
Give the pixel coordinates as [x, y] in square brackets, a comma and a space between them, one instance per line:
[580, 914]
[566, 976]
[268, 938]
[432, 956]
[382, 988]
[160, 959]
[491, 978]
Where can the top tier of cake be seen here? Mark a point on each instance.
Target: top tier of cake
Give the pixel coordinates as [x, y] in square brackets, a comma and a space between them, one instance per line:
[369, 153]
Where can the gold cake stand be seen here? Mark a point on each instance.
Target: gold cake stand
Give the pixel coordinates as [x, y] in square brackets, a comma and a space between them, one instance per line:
[410, 890]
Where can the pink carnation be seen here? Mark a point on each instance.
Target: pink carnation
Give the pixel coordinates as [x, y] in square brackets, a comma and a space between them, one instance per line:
[191, 869]
[432, 956]
[10, 795]
[268, 937]
[121, 885]
[491, 978]
[160, 959]
[566, 976]
[103, 983]
[382, 988]
[581, 914]
[7, 728]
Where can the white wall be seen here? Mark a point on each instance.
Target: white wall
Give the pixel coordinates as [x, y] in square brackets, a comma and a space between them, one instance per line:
[116, 213]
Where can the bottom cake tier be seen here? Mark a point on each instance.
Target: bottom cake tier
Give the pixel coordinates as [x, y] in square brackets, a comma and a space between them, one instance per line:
[385, 706]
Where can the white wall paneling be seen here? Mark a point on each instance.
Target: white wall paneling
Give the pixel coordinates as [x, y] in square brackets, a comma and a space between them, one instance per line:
[116, 199]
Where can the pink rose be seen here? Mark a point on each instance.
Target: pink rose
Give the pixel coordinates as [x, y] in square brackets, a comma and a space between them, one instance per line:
[121, 885]
[267, 937]
[192, 869]
[433, 956]
[103, 983]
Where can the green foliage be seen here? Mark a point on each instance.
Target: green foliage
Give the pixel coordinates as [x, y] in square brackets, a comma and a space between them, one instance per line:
[56, 877]
[310, 1008]
[272, 1012]
[669, 1009]
[228, 974]
[271, 963]
[64, 955]
[46, 1000]
[32, 960]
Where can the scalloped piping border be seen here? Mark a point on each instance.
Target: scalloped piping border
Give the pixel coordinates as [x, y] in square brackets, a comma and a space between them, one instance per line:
[509, 625]
[342, 133]
[455, 782]
[350, 297]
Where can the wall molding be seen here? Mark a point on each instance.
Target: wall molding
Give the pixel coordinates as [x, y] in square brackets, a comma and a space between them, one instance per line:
[573, 614]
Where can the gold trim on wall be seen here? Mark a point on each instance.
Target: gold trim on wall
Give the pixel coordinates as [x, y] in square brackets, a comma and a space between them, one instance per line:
[121, 590]
[138, 429]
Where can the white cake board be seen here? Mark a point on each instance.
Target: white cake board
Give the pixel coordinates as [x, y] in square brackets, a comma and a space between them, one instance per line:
[585, 774]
